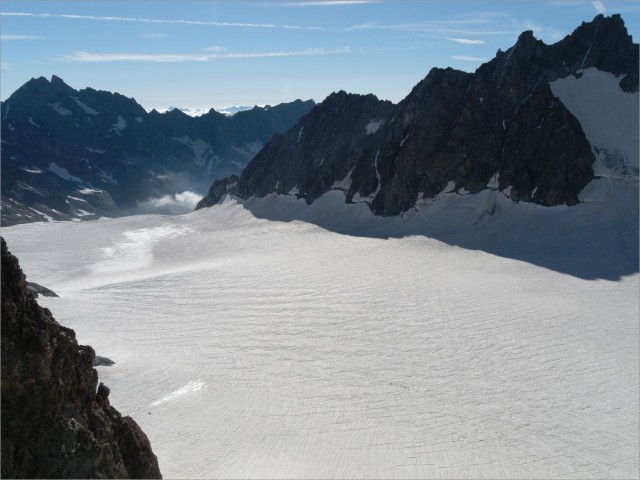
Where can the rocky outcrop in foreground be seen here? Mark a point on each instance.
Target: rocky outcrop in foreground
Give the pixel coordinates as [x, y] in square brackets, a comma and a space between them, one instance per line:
[56, 421]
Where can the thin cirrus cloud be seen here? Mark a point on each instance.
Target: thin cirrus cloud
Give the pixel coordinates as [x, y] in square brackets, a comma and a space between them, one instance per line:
[154, 35]
[447, 28]
[203, 23]
[465, 41]
[321, 3]
[599, 6]
[461, 29]
[19, 37]
[173, 58]
[466, 58]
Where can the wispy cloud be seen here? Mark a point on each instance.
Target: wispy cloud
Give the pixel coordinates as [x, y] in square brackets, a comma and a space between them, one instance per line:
[215, 48]
[459, 28]
[154, 35]
[619, 6]
[203, 23]
[440, 30]
[90, 57]
[567, 3]
[320, 3]
[466, 58]
[465, 41]
[20, 37]
[467, 29]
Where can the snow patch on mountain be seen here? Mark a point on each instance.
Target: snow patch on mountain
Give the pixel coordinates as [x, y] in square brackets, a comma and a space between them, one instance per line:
[87, 109]
[345, 183]
[63, 172]
[120, 124]
[202, 150]
[373, 126]
[449, 187]
[107, 177]
[494, 181]
[89, 191]
[255, 146]
[83, 213]
[65, 112]
[608, 116]
[47, 218]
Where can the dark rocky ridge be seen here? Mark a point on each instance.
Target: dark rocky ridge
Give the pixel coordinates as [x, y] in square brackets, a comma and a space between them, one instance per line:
[55, 424]
[72, 154]
[322, 148]
[496, 128]
[217, 190]
[36, 289]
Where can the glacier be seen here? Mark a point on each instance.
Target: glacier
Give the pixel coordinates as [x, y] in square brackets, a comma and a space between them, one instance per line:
[272, 339]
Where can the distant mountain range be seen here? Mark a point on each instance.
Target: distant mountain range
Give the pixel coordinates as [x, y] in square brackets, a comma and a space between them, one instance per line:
[196, 112]
[72, 154]
[506, 127]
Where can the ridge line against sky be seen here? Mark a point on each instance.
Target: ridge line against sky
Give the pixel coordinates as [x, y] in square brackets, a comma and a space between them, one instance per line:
[218, 53]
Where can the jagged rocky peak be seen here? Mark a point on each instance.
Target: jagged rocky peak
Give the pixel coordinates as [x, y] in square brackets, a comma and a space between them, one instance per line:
[388, 175]
[321, 148]
[603, 43]
[428, 92]
[498, 128]
[59, 84]
[57, 421]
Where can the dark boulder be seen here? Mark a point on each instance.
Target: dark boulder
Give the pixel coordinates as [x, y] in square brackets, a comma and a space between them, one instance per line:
[102, 361]
[35, 290]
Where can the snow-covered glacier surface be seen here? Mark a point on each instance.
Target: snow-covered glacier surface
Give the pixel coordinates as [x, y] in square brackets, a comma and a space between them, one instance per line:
[248, 347]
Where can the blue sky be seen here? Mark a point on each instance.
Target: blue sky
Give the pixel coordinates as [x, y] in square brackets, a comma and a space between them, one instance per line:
[214, 53]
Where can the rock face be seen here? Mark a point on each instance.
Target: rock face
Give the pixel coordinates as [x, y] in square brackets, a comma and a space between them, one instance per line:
[69, 154]
[55, 424]
[500, 128]
[322, 148]
[217, 190]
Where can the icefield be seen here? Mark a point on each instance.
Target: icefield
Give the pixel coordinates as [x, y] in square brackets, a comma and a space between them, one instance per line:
[319, 345]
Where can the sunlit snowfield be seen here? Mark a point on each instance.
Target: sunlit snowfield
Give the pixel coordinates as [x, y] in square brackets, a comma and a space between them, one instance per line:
[248, 347]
